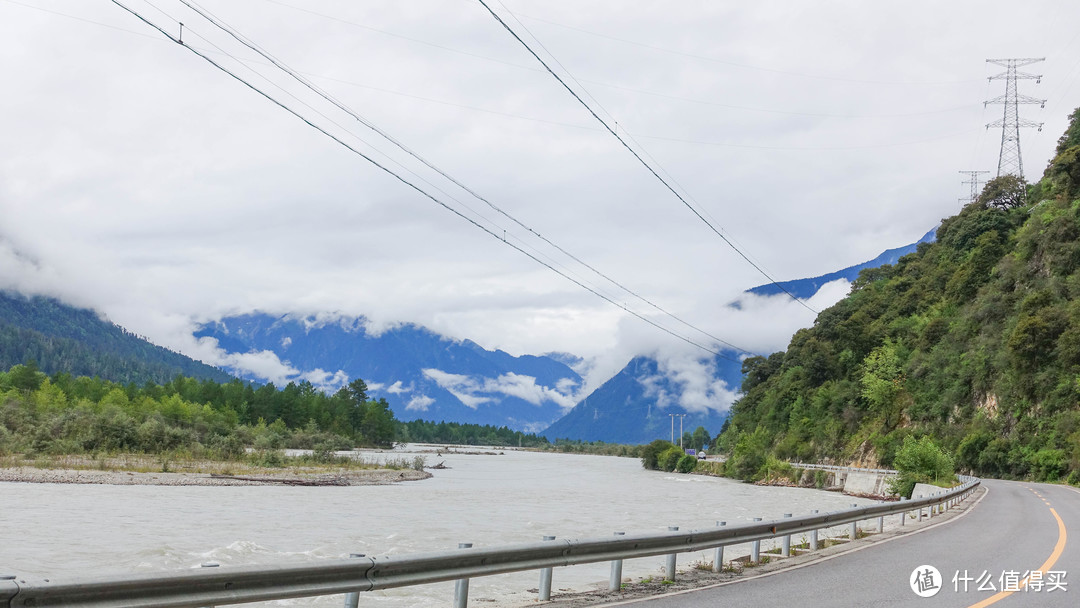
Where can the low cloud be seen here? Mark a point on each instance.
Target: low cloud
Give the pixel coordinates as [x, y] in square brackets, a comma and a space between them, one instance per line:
[267, 366]
[476, 391]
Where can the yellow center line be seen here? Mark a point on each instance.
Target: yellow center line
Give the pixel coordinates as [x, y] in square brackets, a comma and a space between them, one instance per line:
[1059, 548]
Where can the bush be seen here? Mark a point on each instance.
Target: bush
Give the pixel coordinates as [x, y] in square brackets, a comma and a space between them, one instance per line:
[686, 464]
[268, 458]
[920, 461]
[669, 459]
[650, 454]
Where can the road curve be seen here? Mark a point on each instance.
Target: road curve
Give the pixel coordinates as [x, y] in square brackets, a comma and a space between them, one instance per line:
[1016, 527]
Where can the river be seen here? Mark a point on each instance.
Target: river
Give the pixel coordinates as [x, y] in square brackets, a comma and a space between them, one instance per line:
[59, 531]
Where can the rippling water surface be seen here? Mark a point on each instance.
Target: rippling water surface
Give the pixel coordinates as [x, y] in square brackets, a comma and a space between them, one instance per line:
[58, 531]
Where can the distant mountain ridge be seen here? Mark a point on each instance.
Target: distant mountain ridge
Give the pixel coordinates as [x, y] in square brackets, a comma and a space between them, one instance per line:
[421, 374]
[65, 339]
[634, 405]
[806, 288]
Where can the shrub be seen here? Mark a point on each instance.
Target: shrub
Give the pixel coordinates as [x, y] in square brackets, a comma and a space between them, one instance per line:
[686, 464]
[669, 459]
[920, 461]
[650, 454]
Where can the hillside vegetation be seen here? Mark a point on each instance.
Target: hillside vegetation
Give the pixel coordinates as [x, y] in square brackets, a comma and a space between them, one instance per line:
[189, 418]
[973, 341]
[64, 339]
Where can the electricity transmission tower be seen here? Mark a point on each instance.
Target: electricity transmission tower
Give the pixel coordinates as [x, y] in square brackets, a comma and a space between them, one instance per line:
[1009, 162]
[974, 182]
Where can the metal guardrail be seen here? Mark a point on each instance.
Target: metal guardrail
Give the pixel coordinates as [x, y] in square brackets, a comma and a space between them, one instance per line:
[237, 585]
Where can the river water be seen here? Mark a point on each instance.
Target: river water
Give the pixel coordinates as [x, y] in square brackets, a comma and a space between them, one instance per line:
[60, 531]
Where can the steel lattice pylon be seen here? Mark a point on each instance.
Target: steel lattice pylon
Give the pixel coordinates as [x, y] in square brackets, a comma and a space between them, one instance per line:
[973, 181]
[1009, 162]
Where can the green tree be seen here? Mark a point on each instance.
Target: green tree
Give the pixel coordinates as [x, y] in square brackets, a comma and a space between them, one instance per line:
[1003, 193]
[650, 454]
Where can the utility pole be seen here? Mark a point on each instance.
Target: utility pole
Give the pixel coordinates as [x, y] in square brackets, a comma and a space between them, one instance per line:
[1009, 161]
[975, 183]
[681, 416]
[672, 427]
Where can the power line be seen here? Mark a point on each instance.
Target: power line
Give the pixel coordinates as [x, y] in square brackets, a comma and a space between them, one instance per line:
[640, 159]
[622, 87]
[341, 106]
[421, 191]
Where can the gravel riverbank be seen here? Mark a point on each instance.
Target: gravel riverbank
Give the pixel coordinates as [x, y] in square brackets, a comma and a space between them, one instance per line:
[363, 477]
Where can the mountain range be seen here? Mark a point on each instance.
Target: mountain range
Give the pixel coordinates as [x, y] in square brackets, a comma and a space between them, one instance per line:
[422, 375]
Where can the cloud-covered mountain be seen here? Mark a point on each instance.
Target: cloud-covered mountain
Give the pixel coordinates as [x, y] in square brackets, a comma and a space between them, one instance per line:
[634, 405]
[425, 375]
[421, 374]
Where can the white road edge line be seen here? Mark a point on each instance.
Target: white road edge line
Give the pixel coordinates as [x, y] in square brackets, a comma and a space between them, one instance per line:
[799, 566]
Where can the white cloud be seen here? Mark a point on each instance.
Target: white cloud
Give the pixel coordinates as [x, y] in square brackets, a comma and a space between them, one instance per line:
[459, 386]
[419, 403]
[474, 392]
[397, 388]
[844, 143]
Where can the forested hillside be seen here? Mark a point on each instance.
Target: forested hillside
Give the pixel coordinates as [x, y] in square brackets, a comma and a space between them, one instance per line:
[974, 341]
[60, 338]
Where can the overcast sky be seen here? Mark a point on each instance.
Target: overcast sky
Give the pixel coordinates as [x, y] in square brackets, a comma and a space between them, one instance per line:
[137, 179]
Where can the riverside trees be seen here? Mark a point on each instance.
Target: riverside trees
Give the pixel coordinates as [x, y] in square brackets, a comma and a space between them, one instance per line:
[63, 414]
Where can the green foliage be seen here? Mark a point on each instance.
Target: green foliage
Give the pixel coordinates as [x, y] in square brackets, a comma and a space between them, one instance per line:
[67, 415]
[973, 340]
[699, 439]
[686, 464]
[1003, 193]
[750, 455]
[425, 431]
[920, 461]
[62, 339]
[669, 458]
[650, 454]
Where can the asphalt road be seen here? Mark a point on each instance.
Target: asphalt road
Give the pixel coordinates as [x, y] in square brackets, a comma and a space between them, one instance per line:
[1015, 528]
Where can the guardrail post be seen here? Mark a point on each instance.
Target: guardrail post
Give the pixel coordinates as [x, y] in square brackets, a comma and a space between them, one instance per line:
[881, 524]
[545, 579]
[903, 514]
[615, 582]
[461, 586]
[209, 565]
[785, 547]
[669, 568]
[813, 535]
[352, 599]
[8, 588]
[718, 555]
[854, 525]
[755, 548]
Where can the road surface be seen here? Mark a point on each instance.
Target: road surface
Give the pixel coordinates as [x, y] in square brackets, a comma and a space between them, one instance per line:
[1014, 529]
